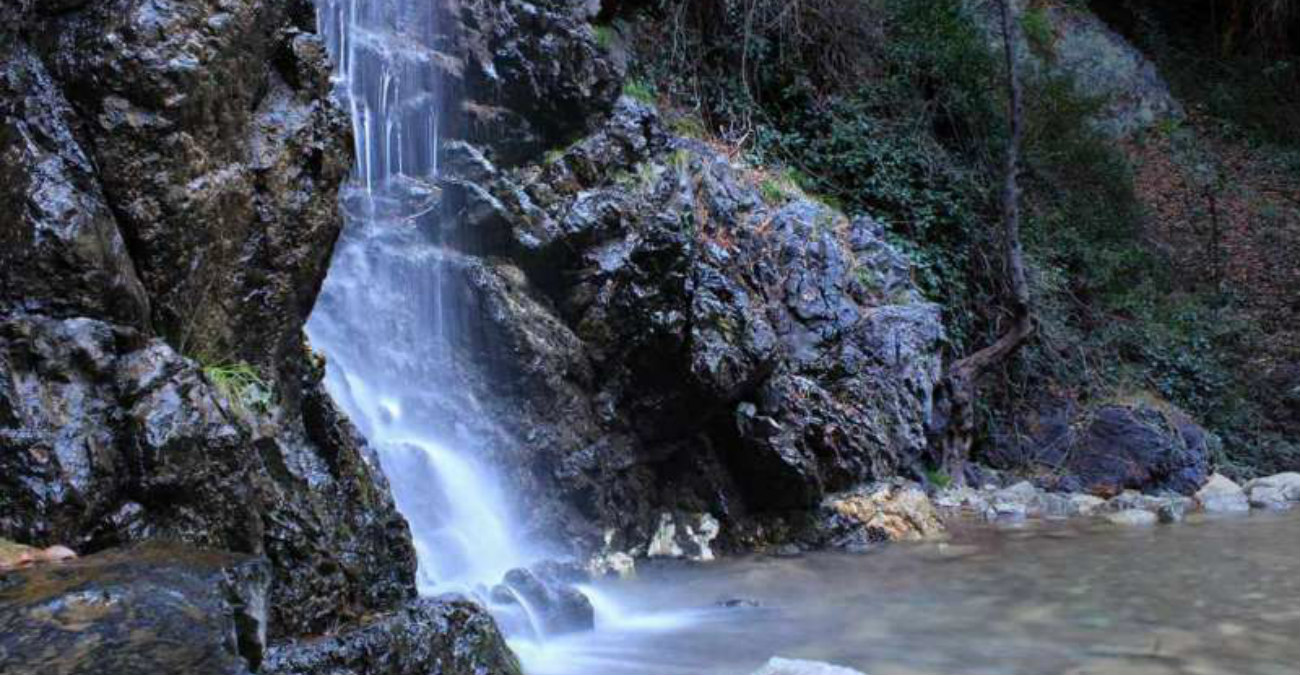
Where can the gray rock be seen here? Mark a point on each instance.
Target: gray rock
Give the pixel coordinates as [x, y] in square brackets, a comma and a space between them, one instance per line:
[548, 597]
[1141, 445]
[1172, 511]
[61, 252]
[119, 439]
[161, 609]
[533, 74]
[1279, 491]
[220, 157]
[1221, 495]
[168, 189]
[1101, 63]
[1085, 505]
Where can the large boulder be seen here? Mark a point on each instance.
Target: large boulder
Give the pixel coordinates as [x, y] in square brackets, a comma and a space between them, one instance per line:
[1140, 444]
[659, 335]
[1221, 495]
[61, 252]
[1068, 40]
[447, 636]
[1280, 491]
[164, 610]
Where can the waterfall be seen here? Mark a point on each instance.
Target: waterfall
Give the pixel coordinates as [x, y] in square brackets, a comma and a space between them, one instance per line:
[385, 313]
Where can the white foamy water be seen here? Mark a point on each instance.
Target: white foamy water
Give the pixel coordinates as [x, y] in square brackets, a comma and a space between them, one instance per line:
[384, 315]
[387, 314]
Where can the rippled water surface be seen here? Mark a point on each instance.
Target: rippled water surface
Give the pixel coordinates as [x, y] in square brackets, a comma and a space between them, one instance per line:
[1205, 597]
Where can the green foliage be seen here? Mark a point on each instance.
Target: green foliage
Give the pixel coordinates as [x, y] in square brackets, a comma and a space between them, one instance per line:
[689, 126]
[241, 385]
[771, 191]
[1037, 27]
[938, 478]
[605, 35]
[640, 90]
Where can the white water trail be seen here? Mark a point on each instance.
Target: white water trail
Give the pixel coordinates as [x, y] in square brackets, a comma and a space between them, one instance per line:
[381, 320]
[385, 319]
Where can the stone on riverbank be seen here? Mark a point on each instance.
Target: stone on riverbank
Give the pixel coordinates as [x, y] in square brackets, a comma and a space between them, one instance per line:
[1280, 491]
[14, 555]
[879, 514]
[1221, 495]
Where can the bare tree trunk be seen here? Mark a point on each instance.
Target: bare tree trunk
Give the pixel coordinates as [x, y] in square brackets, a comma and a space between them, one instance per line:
[960, 382]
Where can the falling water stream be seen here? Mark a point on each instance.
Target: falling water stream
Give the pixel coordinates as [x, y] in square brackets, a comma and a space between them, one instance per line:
[1209, 598]
[383, 317]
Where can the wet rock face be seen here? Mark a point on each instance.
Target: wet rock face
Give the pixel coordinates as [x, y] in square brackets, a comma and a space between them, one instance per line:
[218, 156]
[430, 635]
[168, 191]
[707, 351]
[161, 609]
[115, 438]
[1108, 448]
[531, 73]
[60, 250]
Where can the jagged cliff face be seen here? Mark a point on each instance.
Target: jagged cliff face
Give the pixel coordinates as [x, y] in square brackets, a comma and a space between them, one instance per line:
[650, 333]
[170, 173]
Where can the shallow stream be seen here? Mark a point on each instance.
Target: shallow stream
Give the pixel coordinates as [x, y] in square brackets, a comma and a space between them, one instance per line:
[1207, 597]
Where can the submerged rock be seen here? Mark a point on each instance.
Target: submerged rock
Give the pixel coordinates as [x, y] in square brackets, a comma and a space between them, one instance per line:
[158, 609]
[779, 666]
[1132, 517]
[446, 636]
[547, 595]
[1221, 495]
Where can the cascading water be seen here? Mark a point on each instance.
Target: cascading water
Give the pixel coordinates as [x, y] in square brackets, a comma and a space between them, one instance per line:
[388, 315]
[383, 319]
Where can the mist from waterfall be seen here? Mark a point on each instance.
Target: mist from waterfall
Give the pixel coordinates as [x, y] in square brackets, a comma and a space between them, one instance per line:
[385, 315]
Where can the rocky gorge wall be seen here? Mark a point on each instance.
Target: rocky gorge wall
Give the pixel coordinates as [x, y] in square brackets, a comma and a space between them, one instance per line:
[653, 339]
[169, 190]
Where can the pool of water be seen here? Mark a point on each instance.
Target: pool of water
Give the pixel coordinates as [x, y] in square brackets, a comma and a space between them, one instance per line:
[1206, 597]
